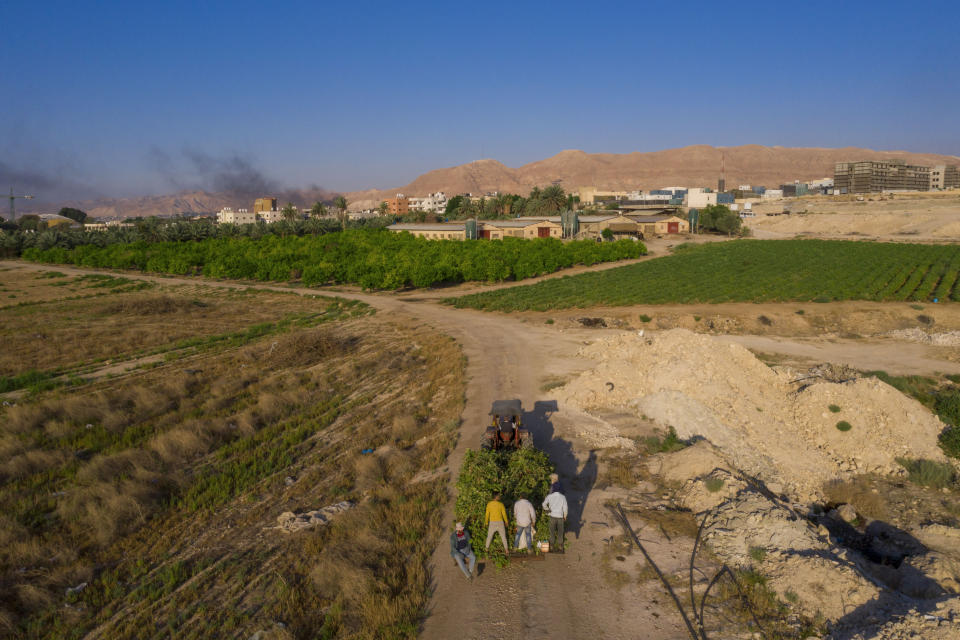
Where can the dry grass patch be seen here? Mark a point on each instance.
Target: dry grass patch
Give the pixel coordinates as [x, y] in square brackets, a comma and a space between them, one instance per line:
[165, 496]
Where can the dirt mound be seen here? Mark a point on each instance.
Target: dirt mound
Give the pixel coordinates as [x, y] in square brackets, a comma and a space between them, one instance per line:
[785, 427]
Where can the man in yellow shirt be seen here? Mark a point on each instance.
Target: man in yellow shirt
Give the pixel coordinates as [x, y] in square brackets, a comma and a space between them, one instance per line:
[496, 520]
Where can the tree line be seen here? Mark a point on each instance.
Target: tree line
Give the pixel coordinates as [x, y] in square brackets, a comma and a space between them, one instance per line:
[14, 242]
[372, 258]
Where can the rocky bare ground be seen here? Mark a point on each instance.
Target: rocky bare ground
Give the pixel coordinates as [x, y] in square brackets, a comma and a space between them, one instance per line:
[766, 444]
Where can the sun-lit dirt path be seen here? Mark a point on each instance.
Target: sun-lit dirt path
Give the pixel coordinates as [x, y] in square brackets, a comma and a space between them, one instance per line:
[561, 596]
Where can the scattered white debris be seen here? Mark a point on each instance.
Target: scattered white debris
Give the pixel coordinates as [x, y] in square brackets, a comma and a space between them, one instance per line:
[289, 522]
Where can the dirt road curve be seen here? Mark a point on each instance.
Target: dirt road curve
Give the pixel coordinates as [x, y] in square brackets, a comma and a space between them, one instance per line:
[559, 596]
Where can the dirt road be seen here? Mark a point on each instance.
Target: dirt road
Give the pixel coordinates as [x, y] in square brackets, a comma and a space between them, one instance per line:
[561, 596]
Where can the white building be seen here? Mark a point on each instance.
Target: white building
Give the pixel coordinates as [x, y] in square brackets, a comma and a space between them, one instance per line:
[271, 216]
[433, 203]
[699, 197]
[772, 194]
[241, 216]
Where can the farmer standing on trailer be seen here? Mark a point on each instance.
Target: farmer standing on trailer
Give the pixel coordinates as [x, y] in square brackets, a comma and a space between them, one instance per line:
[555, 504]
[496, 520]
[525, 516]
[461, 550]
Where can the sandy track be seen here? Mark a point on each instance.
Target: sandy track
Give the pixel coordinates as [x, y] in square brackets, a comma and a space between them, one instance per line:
[560, 596]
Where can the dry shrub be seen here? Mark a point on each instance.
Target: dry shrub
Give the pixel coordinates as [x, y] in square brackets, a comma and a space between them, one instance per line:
[178, 445]
[150, 401]
[106, 468]
[22, 418]
[248, 421]
[10, 530]
[31, 462]
[274, 406]
[10, 446]
[33, 598]
[85, 408]
[25, 551]
[103, 511]
[303, 348]
[405, 428]
[6, 621]
[348, 565]
[858, 492]
[372, 472]
[383, 469]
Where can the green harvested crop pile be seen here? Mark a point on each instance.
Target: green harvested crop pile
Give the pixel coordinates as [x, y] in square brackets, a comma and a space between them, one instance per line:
[483, 473]
[750, 271]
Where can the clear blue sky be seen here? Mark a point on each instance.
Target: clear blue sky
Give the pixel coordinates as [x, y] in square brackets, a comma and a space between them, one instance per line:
[117, 97]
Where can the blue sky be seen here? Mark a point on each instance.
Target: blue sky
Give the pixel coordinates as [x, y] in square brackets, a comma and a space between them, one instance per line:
[121, 98]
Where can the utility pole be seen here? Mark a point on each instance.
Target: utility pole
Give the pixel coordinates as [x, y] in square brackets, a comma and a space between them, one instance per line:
[13, 211]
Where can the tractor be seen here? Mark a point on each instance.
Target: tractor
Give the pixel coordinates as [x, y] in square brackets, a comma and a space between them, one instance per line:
[506, 428]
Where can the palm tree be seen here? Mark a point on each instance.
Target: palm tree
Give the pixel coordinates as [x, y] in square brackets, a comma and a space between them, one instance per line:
[341, 204]
[289, 212]
[383, 207]
[553, 198]
[318, 210]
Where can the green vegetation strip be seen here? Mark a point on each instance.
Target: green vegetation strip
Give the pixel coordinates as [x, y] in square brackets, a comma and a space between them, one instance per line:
[749, 271]
[375, 259]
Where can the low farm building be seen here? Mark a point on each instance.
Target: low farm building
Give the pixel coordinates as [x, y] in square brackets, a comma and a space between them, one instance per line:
[436, 231]
[486, 229]
[660, 226]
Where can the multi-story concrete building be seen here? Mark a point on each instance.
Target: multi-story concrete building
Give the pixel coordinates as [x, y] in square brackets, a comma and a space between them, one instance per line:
[698, 197]
[241, 216]
[885, 175]
[271, 216]
[264, 204]
[593, 195]
[434, 203]
[945, 176]
[399, 205]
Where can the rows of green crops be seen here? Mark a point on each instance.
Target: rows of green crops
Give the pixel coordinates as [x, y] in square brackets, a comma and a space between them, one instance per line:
[750, 271]
[372, 258]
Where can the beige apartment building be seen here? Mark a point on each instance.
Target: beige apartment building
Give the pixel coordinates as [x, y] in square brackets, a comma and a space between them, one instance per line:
[885, 175]
[944, 176]
[264, 204]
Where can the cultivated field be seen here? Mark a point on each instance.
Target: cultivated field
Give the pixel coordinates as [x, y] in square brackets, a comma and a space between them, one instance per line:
[144, 503]
[372, 259]
[749, 271]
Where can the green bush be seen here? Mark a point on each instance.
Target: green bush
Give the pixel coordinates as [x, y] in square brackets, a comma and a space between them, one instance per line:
[928, 473]
[484, 473]
[843, 425]
[950, 441]
[834, 408]
[664, 444]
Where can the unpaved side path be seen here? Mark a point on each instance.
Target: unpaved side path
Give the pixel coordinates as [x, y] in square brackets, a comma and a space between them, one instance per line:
[894, 357]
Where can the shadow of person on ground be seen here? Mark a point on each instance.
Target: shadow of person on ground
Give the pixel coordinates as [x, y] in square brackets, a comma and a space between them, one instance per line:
[576, 482]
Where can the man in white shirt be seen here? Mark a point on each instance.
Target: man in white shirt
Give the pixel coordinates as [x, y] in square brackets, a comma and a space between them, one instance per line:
[555, 505]
[525, 516]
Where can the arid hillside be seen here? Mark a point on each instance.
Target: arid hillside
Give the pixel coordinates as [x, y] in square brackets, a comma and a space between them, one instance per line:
[686, 166]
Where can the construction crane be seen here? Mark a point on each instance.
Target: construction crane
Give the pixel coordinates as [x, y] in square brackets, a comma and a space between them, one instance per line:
[13, 211]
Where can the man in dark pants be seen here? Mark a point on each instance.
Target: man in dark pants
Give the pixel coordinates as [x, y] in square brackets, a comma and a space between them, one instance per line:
[555, 505]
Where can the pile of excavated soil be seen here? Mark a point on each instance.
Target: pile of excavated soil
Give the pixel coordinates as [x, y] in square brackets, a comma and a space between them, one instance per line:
[770, 423]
